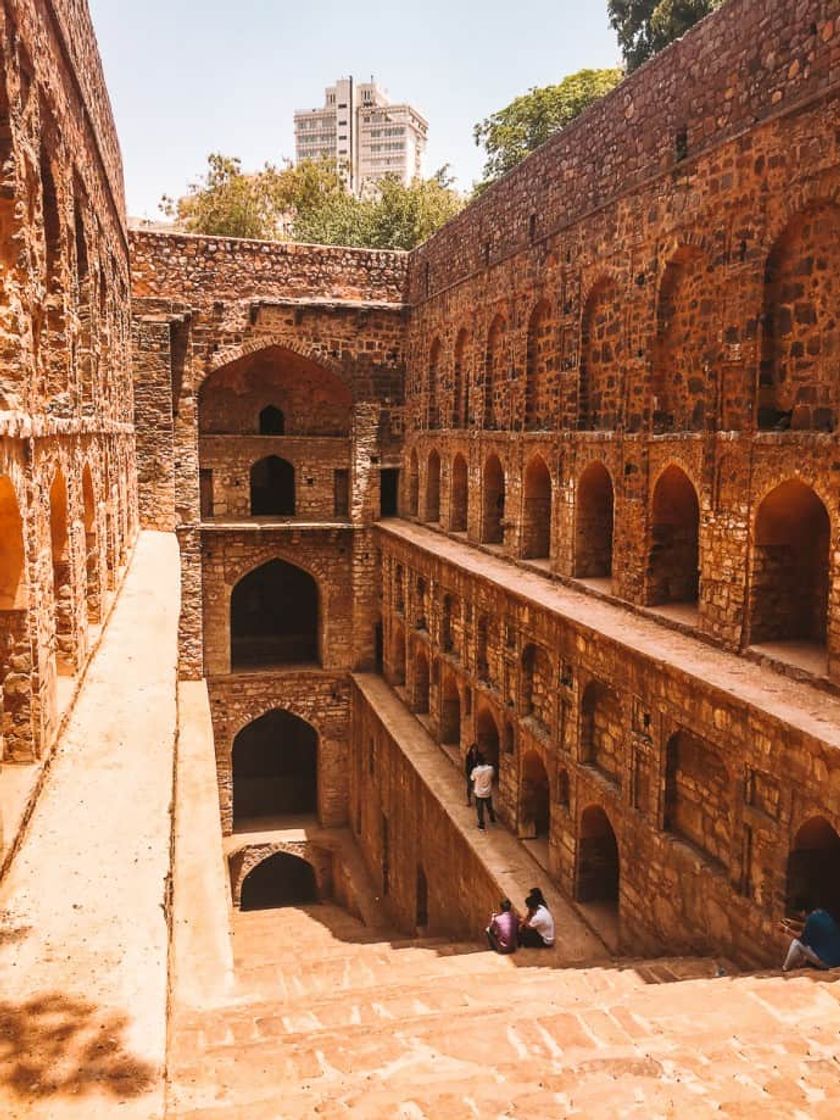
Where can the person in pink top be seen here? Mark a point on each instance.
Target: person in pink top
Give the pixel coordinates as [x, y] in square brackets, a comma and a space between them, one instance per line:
[503, 931]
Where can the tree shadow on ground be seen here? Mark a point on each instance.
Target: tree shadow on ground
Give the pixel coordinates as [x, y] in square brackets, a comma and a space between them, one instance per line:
[55, 1044]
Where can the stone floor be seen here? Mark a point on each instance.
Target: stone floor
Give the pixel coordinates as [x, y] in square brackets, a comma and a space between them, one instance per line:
[330, 1020]
[83, 936]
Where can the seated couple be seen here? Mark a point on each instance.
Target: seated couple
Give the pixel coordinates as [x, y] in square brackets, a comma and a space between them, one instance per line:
[508, 930]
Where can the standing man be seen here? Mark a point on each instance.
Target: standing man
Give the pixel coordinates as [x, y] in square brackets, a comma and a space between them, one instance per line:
[470, 763]
[482, 779]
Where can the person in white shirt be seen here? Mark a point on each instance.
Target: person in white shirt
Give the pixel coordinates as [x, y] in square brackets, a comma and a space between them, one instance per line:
[537, 930]
[482, 780]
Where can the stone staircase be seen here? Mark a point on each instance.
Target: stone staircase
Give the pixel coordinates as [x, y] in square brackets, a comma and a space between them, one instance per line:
[328, 1018]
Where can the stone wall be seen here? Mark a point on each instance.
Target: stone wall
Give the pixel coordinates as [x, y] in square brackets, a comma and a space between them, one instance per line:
[649, 729]
[68, 495]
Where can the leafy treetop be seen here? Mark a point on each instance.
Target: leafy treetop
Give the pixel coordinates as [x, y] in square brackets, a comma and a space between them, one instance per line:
[646, 26]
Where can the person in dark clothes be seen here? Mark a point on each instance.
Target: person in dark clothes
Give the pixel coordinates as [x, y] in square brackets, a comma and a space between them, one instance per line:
[818, 944]
[470, 763]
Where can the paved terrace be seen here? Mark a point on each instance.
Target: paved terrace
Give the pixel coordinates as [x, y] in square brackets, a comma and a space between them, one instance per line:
[737, 680]
[83, 936]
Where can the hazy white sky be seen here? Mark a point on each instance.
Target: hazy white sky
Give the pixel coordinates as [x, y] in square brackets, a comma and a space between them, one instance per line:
[188, 77]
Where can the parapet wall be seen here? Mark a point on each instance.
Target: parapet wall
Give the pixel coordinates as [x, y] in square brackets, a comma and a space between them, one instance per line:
[739, 67]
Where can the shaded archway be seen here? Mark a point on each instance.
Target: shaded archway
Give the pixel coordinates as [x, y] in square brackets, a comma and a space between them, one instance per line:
[413, 485]
[673, 563]
[91, 547]
[272, 422]
[539, 368]
[62, 575]
[421, 681]
[433, 487]
[598, 868]
[398, 655]
[813, 869]
[275, 769]
[684, 349]
[493, 531]
[495, 375]
[274, 617]
[461, 381]
[602, 730]
[433, 388]
[594, 514]
[536, 527]
[534, 798]
[272, 488]
[15, 648]
[12, 581]
[280, 880]
[458, 495]
[790, 573]
[801, 330]
[487, 736]
[450, 714]
[698, 797]
[601, 354]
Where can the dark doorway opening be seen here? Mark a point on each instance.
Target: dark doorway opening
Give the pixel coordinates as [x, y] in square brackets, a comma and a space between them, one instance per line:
[274, 617]
[280, 880]
[275, 768]
[272, 421]
[389, 486]
[813, 870]
[272, 488]
[598, 866]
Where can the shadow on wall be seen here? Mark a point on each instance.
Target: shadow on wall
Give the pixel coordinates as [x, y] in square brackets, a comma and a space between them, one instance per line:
[58, 1045]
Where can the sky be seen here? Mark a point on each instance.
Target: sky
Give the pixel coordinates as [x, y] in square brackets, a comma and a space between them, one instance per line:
[190, 77]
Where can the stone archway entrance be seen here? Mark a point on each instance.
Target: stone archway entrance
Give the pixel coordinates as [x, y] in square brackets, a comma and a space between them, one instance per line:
[813, 869]
[598, 873]
[274, 617]
[534, 799]
[280, 880]
[275, 769]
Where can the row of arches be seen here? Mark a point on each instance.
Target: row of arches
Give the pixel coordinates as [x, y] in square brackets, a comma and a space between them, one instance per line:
[790, 537]
[682, 363]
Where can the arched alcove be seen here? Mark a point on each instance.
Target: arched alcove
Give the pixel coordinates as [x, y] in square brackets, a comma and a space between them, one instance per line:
[275, 386]
[461, 381]
[598, 870]
[487, 736]
[801, 330]
[91, 546]
[280, 880]
[421, 681]
[433, 487]
[600, 358]
[539, 368]
[272, 488]
[790, 571]
[684, 352]
[450, 713]
[12, 577]
[537, 503]
[398, 655]
[433, 411]
[673, 564]
[413, 485]
[495, 375]
[534, 798]
[602, 729]
[813, 869]
[459, 495]
[274, 617]
[493, 531]
[275, 769]
[594, 515]
[62, 574]
[698, 798]
[272, 422]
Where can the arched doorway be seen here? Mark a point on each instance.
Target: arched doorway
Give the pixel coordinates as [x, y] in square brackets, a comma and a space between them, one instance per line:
[398, 656]
[813, 869]
[433, 487]
[413, 485]
[789, 600]
[16, 701]
[598, 876]
[487, 737]
[594, 524]
[275, 769]
[274, 617]
[272, 422]
[272, 488]
[280, 880]
[536, 528]
[62, 576]
[459, 495]
[494, 502]
[534, 799]
[673, 565]
[91, 547]
[421, 681]
[450, 714]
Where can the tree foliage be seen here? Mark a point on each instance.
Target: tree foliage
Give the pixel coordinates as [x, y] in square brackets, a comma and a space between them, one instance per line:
[646, 26]
[509, 134]
[308, 203]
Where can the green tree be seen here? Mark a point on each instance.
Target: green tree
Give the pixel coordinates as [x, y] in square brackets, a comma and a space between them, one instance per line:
[308, 203]
[646, 26]
[508, 135]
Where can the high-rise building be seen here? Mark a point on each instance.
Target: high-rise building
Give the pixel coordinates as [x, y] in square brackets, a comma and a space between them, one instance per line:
[366, 135]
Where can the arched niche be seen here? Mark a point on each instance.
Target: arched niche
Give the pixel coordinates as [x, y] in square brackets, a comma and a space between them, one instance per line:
[594, 514]
[282, 879]
[598, 864]
[459, 495]
[673, 563]
[272, 482]
[537, 510]
[493, 530]
[274, 617]
[275, 769]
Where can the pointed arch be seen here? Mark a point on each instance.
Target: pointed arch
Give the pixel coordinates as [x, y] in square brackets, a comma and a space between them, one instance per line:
[92, 565]
[684, 348]
[540, 365]
[673, 561]
[459, 495]
[413, 484]
[461, 380]
[272, 485]
[493, 531]
[538, 502]
[274, 762]
[495, 371]
[601, 354]
[274, 617]
[432, 512]
[594, 514]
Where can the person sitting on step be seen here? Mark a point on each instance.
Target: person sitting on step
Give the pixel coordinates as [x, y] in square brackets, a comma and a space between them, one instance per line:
[818, 944]
[503, 931]
[537, 930]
